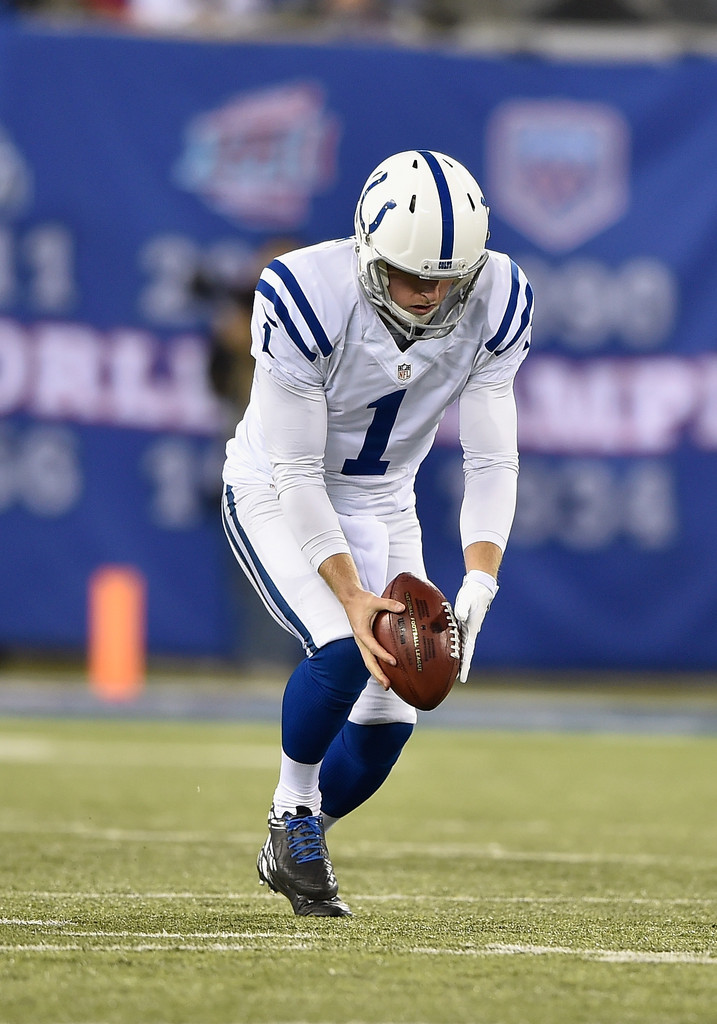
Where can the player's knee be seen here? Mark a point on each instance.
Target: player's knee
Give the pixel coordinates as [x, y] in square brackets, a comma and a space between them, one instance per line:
[379, 745]
[339, 669]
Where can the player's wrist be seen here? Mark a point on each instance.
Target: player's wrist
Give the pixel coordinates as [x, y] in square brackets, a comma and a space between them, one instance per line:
[479, 576]
[340, 573]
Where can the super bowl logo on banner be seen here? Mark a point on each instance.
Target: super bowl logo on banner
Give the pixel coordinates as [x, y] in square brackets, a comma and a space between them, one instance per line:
[261, 157]
[557, 170]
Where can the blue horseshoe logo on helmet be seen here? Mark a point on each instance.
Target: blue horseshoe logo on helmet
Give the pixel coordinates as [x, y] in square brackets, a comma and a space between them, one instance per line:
[390, 205]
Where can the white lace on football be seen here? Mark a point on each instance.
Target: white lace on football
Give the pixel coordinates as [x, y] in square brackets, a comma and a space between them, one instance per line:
[455, 631]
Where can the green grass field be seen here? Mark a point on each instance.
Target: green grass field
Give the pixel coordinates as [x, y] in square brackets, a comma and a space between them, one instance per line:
[498, 878]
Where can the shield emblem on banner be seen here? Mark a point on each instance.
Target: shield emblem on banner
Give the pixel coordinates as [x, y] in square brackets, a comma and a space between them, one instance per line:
[403, 371]
[558, 171]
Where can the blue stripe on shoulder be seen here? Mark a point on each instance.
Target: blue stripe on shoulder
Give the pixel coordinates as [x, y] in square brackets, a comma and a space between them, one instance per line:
[303, 305]
[524, 321]
[502, 331]
[444, 195]
[269, 292]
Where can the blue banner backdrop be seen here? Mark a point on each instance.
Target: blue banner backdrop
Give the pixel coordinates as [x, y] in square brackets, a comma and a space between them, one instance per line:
[145, 161]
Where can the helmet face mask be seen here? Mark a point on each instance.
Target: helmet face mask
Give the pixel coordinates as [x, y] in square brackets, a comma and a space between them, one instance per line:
[423, 213]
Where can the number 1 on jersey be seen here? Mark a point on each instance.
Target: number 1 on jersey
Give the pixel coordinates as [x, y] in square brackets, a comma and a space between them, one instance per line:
[369, 461]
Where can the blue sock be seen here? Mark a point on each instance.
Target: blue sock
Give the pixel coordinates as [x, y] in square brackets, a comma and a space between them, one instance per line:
[320, 693]
[358, 762]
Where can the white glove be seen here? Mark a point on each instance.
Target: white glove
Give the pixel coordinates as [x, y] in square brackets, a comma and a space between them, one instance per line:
[472, 602]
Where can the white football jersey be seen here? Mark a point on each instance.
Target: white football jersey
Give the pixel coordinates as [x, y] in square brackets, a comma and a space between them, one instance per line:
[313, 328]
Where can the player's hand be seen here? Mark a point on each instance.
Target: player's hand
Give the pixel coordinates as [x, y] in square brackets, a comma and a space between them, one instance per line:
[472, 602]
[362, 608]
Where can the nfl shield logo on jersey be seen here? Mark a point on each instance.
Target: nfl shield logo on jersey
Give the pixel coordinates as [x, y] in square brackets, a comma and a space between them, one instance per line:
[403, 371]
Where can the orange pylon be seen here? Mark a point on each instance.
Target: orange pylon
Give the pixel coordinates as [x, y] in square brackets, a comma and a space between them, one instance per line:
[116, 647]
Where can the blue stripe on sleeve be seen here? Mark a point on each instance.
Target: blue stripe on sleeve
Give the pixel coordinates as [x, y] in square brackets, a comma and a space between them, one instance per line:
[444, 195]
[500, 334]
[524, 321]
[269, 292]
[303, 305]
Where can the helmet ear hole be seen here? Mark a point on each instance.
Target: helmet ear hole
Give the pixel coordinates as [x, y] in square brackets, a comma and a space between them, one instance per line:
[412, 204]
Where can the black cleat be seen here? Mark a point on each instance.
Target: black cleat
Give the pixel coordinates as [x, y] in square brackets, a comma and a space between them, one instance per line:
[320, 908]
[294, 861]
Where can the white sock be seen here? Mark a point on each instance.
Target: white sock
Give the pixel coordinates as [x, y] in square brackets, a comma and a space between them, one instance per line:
[298, 786]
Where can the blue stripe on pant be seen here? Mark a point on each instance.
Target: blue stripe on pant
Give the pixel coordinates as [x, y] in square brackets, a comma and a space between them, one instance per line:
[248, 559]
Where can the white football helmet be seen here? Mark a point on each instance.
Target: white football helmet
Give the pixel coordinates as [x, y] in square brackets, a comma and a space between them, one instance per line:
[425, 214]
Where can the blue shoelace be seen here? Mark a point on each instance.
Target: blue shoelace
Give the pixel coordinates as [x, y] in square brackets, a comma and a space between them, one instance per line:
[304, 836]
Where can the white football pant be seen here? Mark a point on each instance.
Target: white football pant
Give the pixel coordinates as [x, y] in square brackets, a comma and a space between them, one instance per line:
[299, 599]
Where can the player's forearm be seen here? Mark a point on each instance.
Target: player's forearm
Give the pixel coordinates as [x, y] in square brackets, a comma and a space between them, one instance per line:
[294, 422]
[313, 522]
[489, 440]
[340, 573]
[488, 506]
[483, 556]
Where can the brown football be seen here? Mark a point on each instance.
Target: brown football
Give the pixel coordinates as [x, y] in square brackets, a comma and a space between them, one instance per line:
[424, 639]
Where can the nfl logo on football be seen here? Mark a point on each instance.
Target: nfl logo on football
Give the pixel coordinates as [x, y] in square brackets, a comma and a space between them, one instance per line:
[403, 371]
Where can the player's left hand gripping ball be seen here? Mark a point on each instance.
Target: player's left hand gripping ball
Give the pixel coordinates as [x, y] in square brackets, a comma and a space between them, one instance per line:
[472, 603]
[424, 639]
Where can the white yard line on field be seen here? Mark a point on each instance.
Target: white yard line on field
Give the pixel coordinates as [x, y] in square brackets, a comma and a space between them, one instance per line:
[127, 835]
[239, 941]
[150, 947]
[399, 851]
[668, 901]
[37, 749]
[60, 929]
[311, 942]
[396, 851]
[23, 922]
[390, 897]
[622, 956]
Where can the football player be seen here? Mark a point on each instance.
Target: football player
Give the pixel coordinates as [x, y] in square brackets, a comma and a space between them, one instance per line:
[361, 344]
